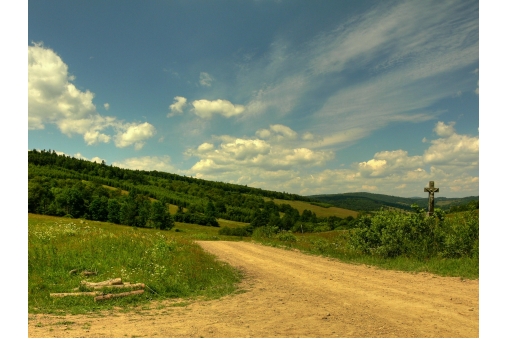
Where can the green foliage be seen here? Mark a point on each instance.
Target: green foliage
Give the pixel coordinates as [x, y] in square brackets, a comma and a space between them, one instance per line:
[114, 211]
[160, 217]
[61, 185]
[236, 231]
[390, 234]
[265, 232]
[469, 206]
[170, 267]
[461, 236]
[286, 236]
[362, 201]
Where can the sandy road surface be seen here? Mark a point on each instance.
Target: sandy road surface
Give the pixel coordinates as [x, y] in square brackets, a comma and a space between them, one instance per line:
[289, 294]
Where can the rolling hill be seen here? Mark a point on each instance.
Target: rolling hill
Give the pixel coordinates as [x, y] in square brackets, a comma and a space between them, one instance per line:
[363, 201]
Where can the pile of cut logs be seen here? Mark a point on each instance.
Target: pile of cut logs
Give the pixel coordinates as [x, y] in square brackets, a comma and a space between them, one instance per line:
[98, 286]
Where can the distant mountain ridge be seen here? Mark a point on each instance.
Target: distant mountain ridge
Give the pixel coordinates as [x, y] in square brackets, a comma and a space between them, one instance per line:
[364, 201]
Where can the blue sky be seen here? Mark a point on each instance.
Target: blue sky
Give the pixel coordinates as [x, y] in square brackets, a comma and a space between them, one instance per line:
[307, 97]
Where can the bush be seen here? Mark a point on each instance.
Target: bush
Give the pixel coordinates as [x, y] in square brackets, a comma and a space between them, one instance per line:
[287, 236]
[391, 234]
[265, 232]
[461, 236]
[236, 231]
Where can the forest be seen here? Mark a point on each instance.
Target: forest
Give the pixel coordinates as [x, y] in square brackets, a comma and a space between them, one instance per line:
[61, 185]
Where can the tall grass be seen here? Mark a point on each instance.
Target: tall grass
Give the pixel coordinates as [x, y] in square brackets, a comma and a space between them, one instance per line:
[396, 241]
[170, 266]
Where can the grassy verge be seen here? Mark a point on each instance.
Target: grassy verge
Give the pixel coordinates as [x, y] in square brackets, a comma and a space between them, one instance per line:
[170, 265]
[334, 244]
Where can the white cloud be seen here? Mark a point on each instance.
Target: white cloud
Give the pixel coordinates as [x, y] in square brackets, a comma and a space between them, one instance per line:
[205, 108]
[451, 161]
[277, 132]
[454, 150]
[177, 106]
[54, 99]
[205, 79]
[94, 159]
[444, 130]
[249, 158]
[148, 163]
[135, 134]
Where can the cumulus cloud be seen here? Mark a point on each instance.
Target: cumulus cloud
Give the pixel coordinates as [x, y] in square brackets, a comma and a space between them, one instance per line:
[451, 160]
[247, 158]
[206, 109]
[148, 163]
[54, 99]
[277, 132]
[177, 106]
[134, 134]
[94, 159]
[205, 79]
[457, 150]
[444, 130]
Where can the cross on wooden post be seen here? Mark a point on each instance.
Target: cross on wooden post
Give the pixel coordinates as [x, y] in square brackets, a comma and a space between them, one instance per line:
[431, 189]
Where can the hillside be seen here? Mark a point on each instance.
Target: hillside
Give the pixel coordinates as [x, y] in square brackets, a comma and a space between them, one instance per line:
[61, 185]
[363, 201]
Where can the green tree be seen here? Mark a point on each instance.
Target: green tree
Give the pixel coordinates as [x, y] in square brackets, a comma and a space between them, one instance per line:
[114, 211]
[39, 197]
[160, 217]
[128, 211]
[143, 211]
[98, 209]
[210, 209]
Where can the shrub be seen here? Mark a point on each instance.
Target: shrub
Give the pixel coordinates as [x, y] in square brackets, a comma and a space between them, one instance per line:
[287, 236]
[461, 236]
[236, 231]
[265, 232]
[391, 234]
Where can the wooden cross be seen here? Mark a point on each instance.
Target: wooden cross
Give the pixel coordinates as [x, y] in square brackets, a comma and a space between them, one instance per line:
[431, 191]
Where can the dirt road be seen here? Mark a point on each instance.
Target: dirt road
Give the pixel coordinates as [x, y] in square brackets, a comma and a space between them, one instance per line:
[289, 294]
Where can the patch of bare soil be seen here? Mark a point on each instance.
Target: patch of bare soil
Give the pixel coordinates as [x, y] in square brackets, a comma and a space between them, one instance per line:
[289, 294]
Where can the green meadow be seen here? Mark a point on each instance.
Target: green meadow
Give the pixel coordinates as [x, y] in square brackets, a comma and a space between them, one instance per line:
[173, 266]
[169, 263]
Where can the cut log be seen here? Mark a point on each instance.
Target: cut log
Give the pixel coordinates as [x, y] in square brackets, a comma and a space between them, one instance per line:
[124, 285]
[74, 294]
[116, 281]
[117, 295]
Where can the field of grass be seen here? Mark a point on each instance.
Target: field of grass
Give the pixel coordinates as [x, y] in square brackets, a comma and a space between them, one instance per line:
[319, 210]
[334, 244]
[199, 232]
[170, 264]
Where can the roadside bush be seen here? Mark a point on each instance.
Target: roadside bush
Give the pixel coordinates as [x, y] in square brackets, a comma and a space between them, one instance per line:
[320, 245]
[461, 235]
[390, 234]
[265, 232]
[236, 231]
[287, 236]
